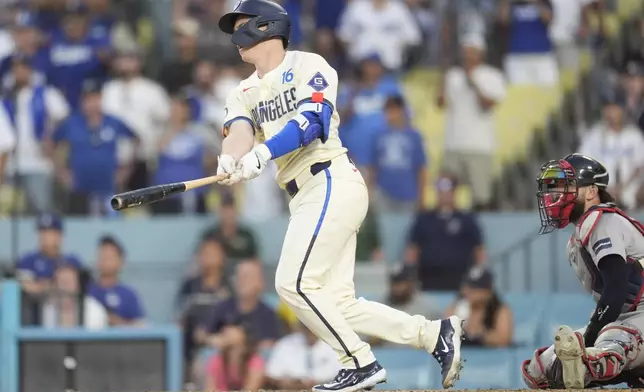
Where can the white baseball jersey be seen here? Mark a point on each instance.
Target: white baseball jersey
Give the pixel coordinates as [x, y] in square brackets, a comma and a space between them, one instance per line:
[268, 103]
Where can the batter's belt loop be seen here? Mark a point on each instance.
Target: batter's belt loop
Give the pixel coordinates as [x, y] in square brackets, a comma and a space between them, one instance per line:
[292, 187]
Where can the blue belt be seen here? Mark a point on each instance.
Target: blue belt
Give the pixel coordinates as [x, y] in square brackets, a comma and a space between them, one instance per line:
[291, 186]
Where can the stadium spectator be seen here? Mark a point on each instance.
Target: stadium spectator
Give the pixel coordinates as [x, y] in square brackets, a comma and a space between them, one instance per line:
[75, 55]
[445, 242]
[425, 50]
[530, 59]
[121, 301]
[182, 155]
[91, 173]
[238, 366]
[397, 164]
[489, 319]
[207, 108]
[7, 143]
[404, 294]
[300, 360]
[34, 111]
[262, 198]
[362, 106]
[61, 306]
[469, 93]
[385, 27]
[35, 270]
[178, 72]
[239, 242]
[199, 293]
[213, 43]
[569, 25]
[244, 308]
[632, 82]
[49, 14]
[617, 144]
[27, 41]
[143, 105]
[327, 45]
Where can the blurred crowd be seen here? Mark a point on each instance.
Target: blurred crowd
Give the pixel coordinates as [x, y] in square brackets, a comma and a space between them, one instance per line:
[92, 106]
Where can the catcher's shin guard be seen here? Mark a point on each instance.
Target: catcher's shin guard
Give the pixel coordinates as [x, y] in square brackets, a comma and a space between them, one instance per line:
[533, 370]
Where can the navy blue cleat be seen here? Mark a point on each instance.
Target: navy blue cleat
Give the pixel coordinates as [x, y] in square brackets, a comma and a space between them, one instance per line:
[448, 350]
[350, 380]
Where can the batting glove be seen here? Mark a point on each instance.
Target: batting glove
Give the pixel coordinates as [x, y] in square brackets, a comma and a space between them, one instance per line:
[228, 166]
[252, 164]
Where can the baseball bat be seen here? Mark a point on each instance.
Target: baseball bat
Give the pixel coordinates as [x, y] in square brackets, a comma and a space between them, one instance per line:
[156, 193]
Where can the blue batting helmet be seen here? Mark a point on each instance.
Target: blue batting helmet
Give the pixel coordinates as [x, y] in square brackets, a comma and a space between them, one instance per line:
[268, 20]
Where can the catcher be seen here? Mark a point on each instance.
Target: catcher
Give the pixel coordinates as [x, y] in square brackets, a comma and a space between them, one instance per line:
[605, 251]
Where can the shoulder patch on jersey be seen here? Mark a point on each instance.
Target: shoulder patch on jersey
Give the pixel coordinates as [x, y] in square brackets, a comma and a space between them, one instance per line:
[604, 243]
[588, 225]
[317, 82]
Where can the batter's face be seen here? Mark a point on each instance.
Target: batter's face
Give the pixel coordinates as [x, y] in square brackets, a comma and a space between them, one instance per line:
[250, 54]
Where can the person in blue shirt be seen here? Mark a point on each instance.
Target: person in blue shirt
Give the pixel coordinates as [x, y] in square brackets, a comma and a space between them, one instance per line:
[397, 169]
[102, 20]
[445, 242]
[36, 269]
[182, 156]
[362, 108]
[530, 58]
[76, 55]
[122, 302]
[93, 172]
[28, 40]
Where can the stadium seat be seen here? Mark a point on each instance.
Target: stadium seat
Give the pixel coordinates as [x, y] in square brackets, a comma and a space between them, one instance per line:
[408, 369]
[441, 299]
[565, 309]
[487, 369]
[528, 310]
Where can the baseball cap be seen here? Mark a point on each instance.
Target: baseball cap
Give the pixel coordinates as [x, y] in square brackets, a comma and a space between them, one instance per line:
[25, 19]
[91, 86]
[479, 278]
[76, 10]
[49, 221]
[404, 273]
[446, 183]
[476, 41]
[186, 26]
[614, 97]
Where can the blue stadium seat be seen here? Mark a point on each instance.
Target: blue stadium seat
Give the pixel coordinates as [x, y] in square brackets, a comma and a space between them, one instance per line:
[565, 309]
[528, 310]
[271, 299]
[441, 299]
[408, 368]
[487, 369]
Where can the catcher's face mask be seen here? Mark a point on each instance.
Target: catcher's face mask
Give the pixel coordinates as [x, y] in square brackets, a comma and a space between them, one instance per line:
[556, 194]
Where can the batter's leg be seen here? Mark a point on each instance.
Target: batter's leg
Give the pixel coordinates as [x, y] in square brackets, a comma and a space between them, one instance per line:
[323, 216]
[381, 321]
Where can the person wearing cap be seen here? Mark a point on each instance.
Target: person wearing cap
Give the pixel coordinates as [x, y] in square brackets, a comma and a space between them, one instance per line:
[182, 155]
[489, 321]
[397, 164]
[34, 110]
[177, 73]
[92, 172]
[28, 42]
[239, 241]
[618, 145]
[76, 55]
[445, 242]
[404, 295]
[35, 270]
[122, 302]
[362, 106]
[469, 93]
[142, 104]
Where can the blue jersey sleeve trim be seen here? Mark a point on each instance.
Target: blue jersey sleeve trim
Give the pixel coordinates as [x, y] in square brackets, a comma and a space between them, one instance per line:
[243, 118]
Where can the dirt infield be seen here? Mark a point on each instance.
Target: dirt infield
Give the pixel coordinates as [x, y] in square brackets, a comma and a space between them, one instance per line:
[470, 390]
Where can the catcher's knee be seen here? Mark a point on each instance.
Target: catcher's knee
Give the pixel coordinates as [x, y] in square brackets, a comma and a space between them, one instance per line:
[621, 338]
[534, 371]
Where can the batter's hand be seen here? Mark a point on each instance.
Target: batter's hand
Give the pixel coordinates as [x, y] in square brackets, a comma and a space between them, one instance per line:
[228, 166]
[252, 164]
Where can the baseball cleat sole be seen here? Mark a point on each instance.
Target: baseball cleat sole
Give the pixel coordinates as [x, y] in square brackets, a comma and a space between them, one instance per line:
[569, 348]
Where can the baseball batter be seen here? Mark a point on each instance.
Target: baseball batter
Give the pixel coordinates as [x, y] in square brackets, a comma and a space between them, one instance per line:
[285, 111]
[605, 251]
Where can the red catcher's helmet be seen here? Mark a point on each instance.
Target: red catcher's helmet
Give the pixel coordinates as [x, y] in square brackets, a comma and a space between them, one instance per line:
[558, 186]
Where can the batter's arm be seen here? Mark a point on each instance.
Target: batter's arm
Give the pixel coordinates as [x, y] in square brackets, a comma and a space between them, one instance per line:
[239, 140]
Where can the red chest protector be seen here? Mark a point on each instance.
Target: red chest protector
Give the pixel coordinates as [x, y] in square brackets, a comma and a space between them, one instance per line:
[636, 278]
